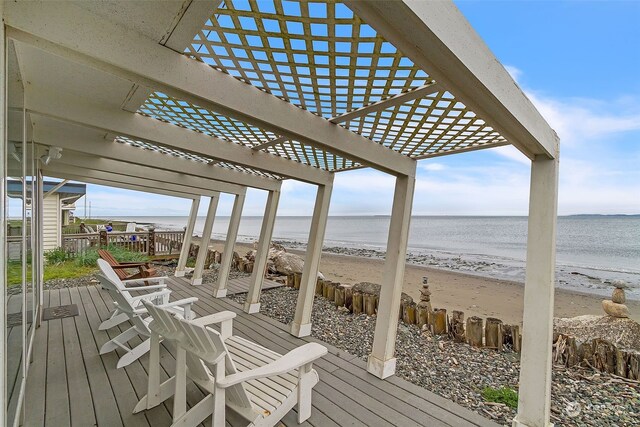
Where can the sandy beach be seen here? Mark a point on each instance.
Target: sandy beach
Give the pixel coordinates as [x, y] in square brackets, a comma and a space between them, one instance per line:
[475, 295]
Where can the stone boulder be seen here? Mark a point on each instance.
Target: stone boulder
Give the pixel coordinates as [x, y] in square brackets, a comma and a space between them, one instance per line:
[614, 309]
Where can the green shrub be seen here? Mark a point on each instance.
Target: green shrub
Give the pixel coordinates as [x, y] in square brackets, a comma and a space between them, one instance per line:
[90, 257]
[56, 256]
[503, 395]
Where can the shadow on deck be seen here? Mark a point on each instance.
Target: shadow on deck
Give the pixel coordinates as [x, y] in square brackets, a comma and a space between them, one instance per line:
[71, 384]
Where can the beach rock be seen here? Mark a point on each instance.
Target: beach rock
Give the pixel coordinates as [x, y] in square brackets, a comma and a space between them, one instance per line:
[618, 296]
[624, 333]
[619, 284]
[615, 310]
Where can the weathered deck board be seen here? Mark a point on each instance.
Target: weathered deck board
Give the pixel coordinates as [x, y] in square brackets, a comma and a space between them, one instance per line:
[241, 285]
[89, 390]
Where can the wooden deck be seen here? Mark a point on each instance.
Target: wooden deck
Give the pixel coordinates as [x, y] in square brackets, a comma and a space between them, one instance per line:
[241, 285]
[71, 384]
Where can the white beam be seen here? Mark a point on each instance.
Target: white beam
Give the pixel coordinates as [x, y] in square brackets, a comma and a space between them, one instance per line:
[189, 183]
[301, 325]
[55, 188]
[196, 279]
[112, 48]
[188, 235]
[3, 231]
[229, 245]
[534, 400]
[382, 362]
[438, 39]
[117, 183]
[393, 101]
[147, 185]
[103, 150]
[252, 304]
[79, 111]
[191, 22]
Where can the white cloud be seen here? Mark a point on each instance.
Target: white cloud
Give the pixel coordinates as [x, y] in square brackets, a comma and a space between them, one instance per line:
[432, 167]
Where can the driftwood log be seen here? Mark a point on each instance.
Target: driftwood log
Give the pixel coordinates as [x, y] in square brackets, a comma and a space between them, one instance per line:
[474, 331]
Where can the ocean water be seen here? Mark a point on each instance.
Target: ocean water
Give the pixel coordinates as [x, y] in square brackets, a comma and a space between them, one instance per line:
[591, 250]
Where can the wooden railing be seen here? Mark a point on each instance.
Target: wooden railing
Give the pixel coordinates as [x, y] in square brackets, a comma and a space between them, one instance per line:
[148, 242]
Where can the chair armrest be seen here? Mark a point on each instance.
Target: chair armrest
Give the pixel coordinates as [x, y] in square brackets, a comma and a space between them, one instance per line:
[151, 295]
[214, 318]
[179, 303]
[185, 304]
[292, 360]
[144, 288]
[146, 279]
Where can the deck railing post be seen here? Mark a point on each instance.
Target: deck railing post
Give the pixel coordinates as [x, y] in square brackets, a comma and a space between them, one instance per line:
[382, 362]
[227, 252]
[188, 234]
[104, 239]
[301, 325]
[534, 400]
[204, 242]
[252, 305]
[151, 250]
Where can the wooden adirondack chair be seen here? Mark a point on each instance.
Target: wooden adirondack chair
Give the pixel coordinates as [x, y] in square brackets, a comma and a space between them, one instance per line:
[140, 319]
[112, 283]
[257, 384]
[145, 270]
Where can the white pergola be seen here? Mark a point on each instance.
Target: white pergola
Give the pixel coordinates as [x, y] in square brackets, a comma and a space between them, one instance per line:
[195, 98]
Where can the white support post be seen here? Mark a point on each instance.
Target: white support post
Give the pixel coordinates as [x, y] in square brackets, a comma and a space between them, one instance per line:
[196, 279]
[188, 234]
[227, 253]
[534, 401]
[301, 325]
[252, 305]
[382, 362]
[3, 214]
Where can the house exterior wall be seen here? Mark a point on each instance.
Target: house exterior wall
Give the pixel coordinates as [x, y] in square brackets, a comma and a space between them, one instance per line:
[51, 222]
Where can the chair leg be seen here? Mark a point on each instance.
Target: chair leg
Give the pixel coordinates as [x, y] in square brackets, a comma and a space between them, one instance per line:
[134, 354]
[306, 380]
[180, 395]
[114, 320]
[119, 341]
[218, 417]
[197, 414]
[165, 391]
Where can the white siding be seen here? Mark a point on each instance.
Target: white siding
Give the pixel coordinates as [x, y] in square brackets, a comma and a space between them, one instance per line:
[51, 222]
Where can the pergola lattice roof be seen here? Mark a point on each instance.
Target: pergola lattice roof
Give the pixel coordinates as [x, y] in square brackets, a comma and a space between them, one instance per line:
[323, 58]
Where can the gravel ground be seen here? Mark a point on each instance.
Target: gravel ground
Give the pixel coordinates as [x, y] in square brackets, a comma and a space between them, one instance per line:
[459, 372]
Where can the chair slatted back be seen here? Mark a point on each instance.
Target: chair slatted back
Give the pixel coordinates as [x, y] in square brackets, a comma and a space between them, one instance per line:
[111, 274]
[166, 324]
[106, 256]
[207, 344]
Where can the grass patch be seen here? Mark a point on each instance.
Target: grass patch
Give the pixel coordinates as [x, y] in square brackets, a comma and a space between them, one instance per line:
[66, 270]
[90, 257]
[504, 395]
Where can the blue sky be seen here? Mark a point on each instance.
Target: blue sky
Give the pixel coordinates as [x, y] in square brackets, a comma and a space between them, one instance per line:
[579, 63]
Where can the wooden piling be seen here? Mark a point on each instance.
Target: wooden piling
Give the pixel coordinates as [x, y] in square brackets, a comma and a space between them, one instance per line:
[369, 304]
[409, 312]
[339, 296]
[474, 331]
[493, 334]
[357, 302]
[423, 309]
[457, 326]
[319, 286]
[297, 277]
[439, 323]
[331, 290]
[348, 296]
